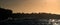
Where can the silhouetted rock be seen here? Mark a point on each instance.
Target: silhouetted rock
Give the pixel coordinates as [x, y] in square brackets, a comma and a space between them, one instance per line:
[36, 16]
[4, 13]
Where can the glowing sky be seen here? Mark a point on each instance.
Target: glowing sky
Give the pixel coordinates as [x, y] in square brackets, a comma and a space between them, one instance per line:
[29, 6]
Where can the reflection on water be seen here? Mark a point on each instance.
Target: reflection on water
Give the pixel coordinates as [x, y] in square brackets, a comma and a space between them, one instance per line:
[31, 22]
[54, 21]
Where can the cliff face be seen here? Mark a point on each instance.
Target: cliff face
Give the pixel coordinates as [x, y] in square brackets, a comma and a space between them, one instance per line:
[4, 13]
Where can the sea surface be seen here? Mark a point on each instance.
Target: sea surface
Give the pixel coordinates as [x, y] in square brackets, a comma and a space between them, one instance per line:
[17, 21]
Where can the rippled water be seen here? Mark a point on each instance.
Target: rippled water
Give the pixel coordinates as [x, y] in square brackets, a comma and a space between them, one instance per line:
[31, 22]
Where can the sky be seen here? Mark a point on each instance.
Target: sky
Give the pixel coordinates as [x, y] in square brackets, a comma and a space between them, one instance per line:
[32, 6]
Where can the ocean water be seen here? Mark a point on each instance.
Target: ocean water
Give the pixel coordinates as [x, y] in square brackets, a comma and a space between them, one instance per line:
[31, 22]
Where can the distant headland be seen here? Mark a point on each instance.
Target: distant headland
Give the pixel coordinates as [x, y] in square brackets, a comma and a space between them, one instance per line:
[5, 13]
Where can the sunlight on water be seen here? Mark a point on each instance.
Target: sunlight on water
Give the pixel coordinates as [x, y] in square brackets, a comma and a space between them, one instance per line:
[32, 21]
[54, 21]
[55, 24]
